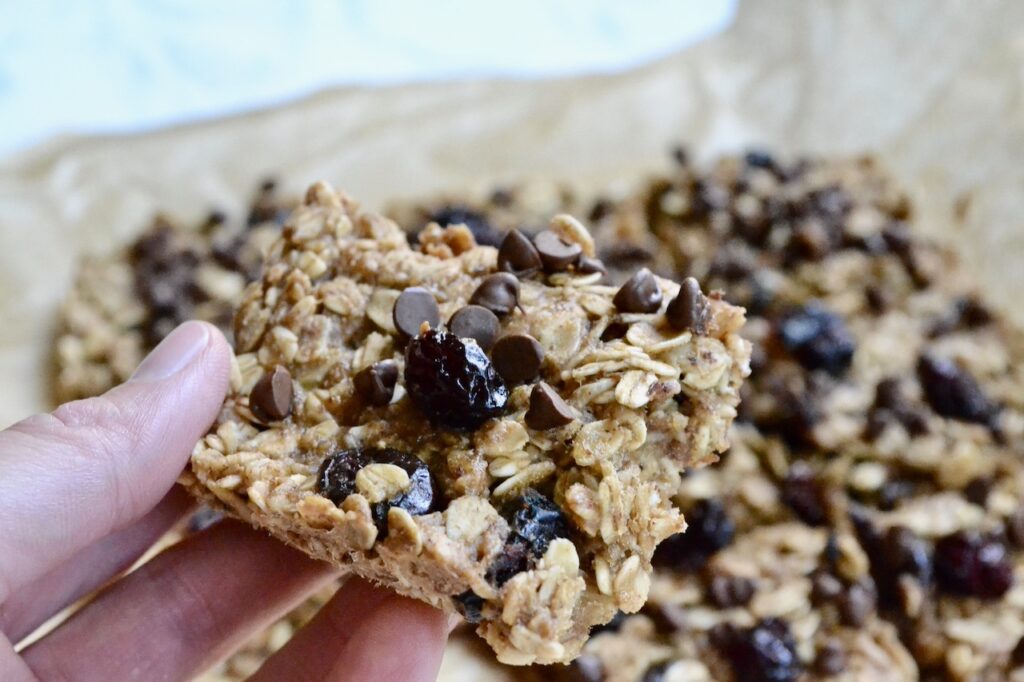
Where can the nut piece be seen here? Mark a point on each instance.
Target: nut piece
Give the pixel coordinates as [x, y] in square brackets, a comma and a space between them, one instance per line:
[380, 482]
[547, 409]
[271, 397]
[413, 307]
[640, 294]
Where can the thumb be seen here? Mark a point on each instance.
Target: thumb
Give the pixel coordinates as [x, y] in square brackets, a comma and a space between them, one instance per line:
[71, 477]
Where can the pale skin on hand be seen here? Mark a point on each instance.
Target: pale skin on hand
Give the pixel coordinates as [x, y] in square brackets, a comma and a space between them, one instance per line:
[84, 492]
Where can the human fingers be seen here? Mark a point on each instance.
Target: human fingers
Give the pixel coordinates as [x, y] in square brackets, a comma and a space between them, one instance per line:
[90, 568]
[183, 611]
[93, 466]
[363, 633]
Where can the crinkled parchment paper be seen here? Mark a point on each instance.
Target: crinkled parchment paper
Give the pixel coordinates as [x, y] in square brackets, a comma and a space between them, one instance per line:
[935, 88]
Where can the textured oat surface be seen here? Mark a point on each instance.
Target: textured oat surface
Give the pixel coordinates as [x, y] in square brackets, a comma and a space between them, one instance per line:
[647, 401]
[121, 305]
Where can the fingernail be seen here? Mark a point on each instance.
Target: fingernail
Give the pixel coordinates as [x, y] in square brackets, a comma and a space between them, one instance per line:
[178, 349]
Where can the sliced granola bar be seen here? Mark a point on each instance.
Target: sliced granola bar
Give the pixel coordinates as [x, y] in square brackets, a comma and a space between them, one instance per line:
[488, 429]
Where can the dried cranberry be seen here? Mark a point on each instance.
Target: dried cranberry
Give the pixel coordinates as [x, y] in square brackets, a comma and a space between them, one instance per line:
[483, 232]
[534, 521]
[952, 391]
[764, 653]
[470, 605]
[709, 530]
[452, 381]
[817, 338]
[804, 495]
[336, 480]
[973, 564]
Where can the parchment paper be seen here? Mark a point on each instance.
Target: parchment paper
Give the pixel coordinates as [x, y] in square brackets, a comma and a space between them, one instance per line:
[934, 87]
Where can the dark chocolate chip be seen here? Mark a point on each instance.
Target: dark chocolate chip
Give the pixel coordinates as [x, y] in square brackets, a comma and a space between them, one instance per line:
[475, 322]
[640, 294]
[952, 391]
[689, 310]
[518, 358]
[376, 383]
[547, 409]
[413, 307]
[518, 255]
[728, 591]
[555, 253]
[499, 293]
[271, 397]
[588, 266]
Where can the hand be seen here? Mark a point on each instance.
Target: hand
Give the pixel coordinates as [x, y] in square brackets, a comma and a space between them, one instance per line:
[84, 491]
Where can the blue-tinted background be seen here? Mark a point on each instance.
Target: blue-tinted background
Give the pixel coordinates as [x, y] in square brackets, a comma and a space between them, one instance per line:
[124, 65]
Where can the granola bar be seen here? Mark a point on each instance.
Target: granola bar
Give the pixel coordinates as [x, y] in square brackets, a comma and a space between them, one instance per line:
[515, 462]
[120, 306]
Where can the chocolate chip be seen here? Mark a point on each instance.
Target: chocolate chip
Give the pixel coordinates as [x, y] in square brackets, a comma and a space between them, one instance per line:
[499, 293]
[271, 397]
[518, 255]
[728, 591]
[475, 322]
[588, 266]
[952, 391]
[518, 358]
[415, 306]
[689, 310]
[547, 409]
[640, 294]
[555, 253]
[376, 383]
[1015, 527]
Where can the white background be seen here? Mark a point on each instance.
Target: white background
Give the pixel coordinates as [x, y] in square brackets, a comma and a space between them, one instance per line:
[123, 65]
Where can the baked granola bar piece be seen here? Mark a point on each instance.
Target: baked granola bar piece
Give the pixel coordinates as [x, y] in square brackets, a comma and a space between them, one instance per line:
[119, 307]
[488, 430]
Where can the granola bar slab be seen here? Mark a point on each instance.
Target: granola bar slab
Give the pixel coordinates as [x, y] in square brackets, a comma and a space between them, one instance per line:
[490, 430]
[120, 306]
